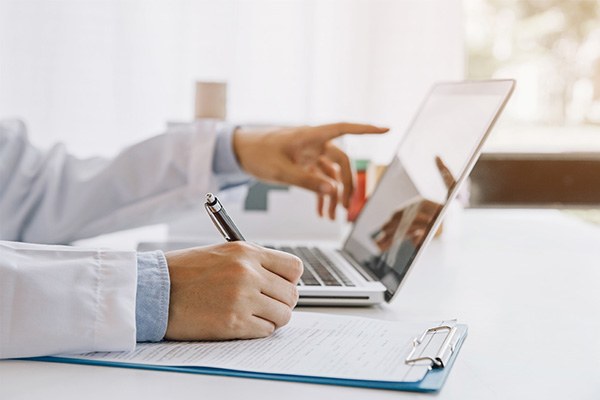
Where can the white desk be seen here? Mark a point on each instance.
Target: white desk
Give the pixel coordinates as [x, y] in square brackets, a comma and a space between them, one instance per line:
[526, 282]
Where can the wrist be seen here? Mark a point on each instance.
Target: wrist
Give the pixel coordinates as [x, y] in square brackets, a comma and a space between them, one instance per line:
[238, 139]
[245, 145]
[260, 152]
[153, 296]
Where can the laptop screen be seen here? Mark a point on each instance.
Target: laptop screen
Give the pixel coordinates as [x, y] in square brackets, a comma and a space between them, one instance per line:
[434, 157]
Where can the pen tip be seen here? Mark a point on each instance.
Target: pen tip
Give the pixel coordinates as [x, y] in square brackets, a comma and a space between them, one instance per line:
[210, 198]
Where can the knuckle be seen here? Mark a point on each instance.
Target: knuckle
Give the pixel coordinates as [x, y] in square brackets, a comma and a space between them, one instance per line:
[269, 329]
[243, 274]
[235, 296]
[237, 268]
[284, 317]
[240, 246]
[295, 295]
[291, 295]
[232, 322]
[297, 268]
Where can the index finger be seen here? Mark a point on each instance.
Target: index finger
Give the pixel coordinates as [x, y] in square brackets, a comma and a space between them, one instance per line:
[286, 265]
[331, 131]
[447, 177]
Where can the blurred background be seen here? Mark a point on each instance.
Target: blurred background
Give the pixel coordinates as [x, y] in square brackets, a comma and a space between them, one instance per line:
[552, 48]
[99, 75]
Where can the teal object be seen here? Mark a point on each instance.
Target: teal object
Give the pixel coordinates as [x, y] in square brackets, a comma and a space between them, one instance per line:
[257, 197]
[361, 164]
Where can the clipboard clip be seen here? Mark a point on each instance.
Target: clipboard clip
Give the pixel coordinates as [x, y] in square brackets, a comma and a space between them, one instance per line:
[439, 359]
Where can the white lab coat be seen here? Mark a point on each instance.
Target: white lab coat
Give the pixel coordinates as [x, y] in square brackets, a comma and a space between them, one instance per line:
[59, 299]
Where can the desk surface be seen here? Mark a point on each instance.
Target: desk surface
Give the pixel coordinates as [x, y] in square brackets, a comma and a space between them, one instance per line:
[526, 282]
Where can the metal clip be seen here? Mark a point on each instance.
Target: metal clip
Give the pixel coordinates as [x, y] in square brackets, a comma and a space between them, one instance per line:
[440, 358]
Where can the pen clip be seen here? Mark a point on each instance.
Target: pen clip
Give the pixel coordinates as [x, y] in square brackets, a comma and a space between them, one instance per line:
[217, 223]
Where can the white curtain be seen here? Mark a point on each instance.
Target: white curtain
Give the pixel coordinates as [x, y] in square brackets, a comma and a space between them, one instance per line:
[101, 74]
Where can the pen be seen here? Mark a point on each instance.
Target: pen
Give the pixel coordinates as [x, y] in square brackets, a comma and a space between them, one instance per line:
[222, 221]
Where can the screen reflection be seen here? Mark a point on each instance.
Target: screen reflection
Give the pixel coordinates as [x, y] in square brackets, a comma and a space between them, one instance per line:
[423, 174]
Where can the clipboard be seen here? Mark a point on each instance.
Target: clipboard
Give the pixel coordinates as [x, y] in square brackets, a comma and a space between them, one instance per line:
[438, 347]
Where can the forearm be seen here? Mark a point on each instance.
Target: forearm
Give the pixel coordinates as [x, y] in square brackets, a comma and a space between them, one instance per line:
[89, 301]
[54, 197]
[58, 299]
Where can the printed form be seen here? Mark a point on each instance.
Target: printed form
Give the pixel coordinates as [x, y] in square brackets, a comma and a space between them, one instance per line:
[312, 344]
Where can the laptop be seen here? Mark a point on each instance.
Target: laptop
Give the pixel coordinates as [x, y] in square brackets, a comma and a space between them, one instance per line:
[433, 159]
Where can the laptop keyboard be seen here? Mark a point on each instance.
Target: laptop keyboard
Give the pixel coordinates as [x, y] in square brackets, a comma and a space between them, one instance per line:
[319, 270]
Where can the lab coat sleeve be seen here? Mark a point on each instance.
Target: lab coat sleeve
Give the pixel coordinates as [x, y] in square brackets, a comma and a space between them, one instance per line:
[55, 198]
[226, 166]
[59, 299]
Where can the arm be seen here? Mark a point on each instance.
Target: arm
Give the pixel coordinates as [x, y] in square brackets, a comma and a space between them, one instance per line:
[60, 299]
[53, 197]
[234, 290]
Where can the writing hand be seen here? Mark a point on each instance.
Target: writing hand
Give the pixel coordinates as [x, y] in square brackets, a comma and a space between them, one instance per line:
[234, 290]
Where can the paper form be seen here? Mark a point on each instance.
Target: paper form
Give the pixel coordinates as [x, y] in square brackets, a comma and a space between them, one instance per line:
[312, 344]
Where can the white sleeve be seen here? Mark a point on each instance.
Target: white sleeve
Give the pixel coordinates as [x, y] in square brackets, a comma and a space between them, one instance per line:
[58, 299]
[53, 197]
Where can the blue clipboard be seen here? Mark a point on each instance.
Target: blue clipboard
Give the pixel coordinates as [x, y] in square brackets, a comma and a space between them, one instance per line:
[432, 382]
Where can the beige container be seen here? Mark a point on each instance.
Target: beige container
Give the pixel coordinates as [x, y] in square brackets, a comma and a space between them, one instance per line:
[211, 100]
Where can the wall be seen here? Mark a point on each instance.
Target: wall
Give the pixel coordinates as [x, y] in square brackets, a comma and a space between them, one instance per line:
[101, 74]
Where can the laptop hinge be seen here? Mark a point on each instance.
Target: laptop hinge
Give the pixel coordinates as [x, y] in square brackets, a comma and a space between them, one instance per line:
[365, 273]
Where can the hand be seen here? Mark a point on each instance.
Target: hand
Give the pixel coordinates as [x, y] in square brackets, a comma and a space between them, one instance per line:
[303, 156]
[447, 177]
[234, 290]
[426, 212]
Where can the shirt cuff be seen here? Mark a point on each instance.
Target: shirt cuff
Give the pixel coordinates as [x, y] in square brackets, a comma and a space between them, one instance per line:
[152, 300]
[226, 167]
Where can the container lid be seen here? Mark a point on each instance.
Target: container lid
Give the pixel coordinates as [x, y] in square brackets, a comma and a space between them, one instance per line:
[361, 164]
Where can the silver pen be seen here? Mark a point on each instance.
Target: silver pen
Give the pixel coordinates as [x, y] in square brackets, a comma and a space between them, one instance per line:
[222, 221]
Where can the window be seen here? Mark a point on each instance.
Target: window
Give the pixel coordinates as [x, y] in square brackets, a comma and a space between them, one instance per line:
[552, 49]
[546, 149]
